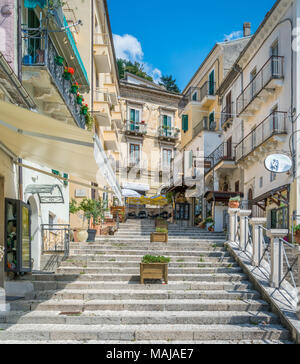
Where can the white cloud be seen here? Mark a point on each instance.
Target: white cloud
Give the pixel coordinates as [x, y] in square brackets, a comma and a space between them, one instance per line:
[234, 35]
[128, 47]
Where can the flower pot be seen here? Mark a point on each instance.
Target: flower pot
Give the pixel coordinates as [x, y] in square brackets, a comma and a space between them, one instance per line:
[91, 235]
[297, 237]
[74, 90]
[159, 238]
[67, 76]
[84, 111]
[154, 271]
[59, 61]
[79, 100]
[234, 204]
[82, 235]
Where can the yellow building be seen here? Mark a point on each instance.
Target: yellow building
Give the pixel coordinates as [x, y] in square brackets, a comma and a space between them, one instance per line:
[150, 136]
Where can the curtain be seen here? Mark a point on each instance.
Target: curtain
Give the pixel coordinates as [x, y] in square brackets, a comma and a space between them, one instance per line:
[33, 3]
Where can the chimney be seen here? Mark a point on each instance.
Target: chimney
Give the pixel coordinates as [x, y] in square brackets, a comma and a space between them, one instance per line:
[247, 29]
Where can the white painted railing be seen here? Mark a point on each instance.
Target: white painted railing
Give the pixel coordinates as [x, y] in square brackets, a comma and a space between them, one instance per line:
[267, 250]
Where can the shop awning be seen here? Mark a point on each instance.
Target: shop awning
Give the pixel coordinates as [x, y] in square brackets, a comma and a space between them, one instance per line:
[48, 142]
[216, 196]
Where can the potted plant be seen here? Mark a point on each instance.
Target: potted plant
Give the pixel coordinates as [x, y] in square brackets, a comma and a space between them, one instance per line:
[84, 109]
[234, 202]
[160, 236]
[154, 267]
[74, 88]
[59, 60]
[297, 234]
[79, 99]
[161, 223]
[209, 223]
[68, 73]
[79, 234]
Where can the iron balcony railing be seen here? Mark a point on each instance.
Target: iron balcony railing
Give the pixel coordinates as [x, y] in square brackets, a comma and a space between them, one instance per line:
[38, 50]
[168, 132]
[224, 152]
[135, 127]
[273, 69]
[204, 125]
[56, 238]
[227, 114]
[198, 93]
[274, 124]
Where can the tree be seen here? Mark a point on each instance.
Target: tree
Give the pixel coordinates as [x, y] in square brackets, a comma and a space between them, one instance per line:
[170, 84]
[135, 68]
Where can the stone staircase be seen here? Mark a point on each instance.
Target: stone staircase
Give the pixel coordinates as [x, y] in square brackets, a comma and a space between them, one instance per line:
[95, 296]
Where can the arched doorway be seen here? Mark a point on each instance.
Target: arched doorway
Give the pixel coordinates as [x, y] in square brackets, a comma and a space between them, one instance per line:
[36, 242]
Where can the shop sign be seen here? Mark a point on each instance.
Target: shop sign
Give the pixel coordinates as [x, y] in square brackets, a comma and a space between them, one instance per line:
[278, 163]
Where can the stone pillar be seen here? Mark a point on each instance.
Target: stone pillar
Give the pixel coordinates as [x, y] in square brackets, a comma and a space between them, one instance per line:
[244, 228]
[276, 256]
[233, 224]
[258, 248]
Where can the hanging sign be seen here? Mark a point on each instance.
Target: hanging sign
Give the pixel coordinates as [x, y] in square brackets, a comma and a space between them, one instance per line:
[278, 163]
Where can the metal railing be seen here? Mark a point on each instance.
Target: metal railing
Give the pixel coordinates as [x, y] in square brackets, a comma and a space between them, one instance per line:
[168, 132]
[274, 124]
[38, 50]
[224, 152]
[135, 127]
[56, 238]
[273, 69]
[197, 94]
[226, 114]
[204, 124]
[268, 250]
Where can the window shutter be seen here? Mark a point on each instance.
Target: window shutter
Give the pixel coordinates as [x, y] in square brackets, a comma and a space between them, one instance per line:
[185, 123]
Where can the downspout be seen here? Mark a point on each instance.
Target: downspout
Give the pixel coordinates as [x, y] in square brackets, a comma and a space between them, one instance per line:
[92, 53]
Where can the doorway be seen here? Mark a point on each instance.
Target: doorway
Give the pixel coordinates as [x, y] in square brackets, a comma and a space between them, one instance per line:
[36, 234]
[2, 229]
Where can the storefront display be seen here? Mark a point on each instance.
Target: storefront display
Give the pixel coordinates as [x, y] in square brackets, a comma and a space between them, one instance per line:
[18, 238]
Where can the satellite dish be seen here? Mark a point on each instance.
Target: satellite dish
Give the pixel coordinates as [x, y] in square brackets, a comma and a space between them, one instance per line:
[278, 163]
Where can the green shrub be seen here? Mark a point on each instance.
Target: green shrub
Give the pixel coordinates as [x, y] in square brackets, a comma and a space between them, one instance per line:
[153, 259]
[235, 199]
[296, 228]
[161, 230]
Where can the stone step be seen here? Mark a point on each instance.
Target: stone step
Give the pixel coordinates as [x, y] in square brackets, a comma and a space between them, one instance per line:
[138, 245]
[199, 286]
[144, 332]
[138, 305]
[221, 277]
[111, 263]
[137, 258]
[136, 270]
[139, 318]
[92, 294]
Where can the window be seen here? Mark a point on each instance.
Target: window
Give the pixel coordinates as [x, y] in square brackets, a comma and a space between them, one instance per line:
[167, 125]
[237, 186]
[195, 96]
[135, 154]
[212, 124]
[135, 119]
[211, 87]
[261, 182]
[167, 157]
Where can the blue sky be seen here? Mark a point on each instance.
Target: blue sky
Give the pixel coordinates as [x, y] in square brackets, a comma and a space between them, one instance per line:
[174, 37]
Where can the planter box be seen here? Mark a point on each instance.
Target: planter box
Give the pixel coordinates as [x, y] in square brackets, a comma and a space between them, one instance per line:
[162, 224]
[159, 238]
[154, 271]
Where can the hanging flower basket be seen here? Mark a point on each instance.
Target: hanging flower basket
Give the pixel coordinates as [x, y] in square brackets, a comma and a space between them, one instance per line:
[79, 99]
[74, 88]
[84, 109]
[68, 73]
[59, 60]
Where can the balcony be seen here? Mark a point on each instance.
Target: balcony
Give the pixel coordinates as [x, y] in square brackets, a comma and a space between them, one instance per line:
[261, 138]
[227, 116]
[101, 53]
[110, 140]
[204, 96]
[223, 157]
[40, 72]
[204, 125]
[267, 81]
[135, 128]
[168, 133]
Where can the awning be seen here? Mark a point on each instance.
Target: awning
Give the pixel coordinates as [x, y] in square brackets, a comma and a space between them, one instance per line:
[136, 187]
[46, 193]
[216, 196]
[48, 142]
[130, 193]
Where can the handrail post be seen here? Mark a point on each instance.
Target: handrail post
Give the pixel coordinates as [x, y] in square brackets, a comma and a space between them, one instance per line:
[276, 256]
[257, 236]
[297, 252]
[244, 228]
[233, 224]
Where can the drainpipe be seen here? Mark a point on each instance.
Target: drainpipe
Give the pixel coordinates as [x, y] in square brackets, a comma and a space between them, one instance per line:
[92, 52]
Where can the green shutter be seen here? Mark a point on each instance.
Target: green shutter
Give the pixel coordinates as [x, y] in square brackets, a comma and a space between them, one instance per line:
[185, 123]
[132, 115]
